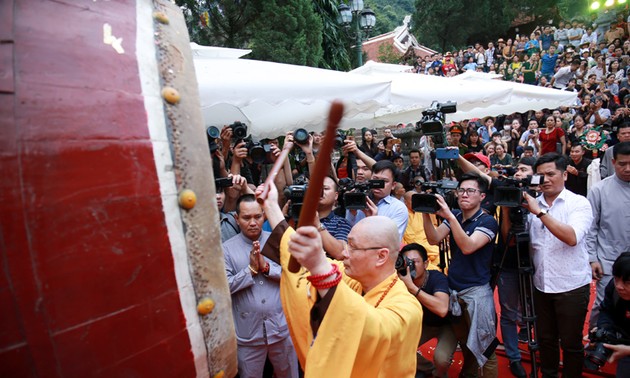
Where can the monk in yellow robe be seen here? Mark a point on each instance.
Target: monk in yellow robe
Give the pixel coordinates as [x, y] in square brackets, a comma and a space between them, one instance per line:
[367, 325]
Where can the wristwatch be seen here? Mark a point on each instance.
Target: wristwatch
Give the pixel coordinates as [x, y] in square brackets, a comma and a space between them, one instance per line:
[542, 213]
[321, 227]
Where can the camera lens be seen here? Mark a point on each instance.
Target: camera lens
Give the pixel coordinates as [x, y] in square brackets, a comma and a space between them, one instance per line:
[300, 136]
[213, 132]
[257, 153]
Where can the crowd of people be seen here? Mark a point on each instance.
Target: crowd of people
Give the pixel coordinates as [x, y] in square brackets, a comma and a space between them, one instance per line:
[563, 57]
[574, 239]
[367, 296]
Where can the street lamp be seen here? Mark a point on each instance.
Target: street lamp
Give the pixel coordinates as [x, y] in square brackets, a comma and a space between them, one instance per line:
[364, 20]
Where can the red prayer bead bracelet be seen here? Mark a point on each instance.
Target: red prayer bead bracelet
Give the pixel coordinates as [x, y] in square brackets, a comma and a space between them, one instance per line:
[317, 280]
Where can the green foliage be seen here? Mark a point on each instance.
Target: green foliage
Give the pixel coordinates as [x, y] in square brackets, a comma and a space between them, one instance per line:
[387, 54]
[334, 42]
[389, 14]
[288, 32]
[230, 22]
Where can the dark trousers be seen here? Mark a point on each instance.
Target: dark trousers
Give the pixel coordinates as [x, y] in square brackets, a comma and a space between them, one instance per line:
[560, 316]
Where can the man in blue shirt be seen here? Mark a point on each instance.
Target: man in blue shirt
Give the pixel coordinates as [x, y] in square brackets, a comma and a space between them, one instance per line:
[383, 203]
[471, 233]
[548, 62]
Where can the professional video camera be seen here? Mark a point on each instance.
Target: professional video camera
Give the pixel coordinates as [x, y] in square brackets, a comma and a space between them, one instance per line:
[510, 192]
[295, 193]
[427, 202]
[432, 122]
[402, 262]
[355, 193]
[596, 357]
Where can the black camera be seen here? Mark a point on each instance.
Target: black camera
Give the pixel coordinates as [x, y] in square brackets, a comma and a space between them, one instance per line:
[239, 130]
[596, 357]
[355, 193]
[223, 182]
[432, 122]
[296, 194]
[340, 138]
[510, 192]
[212, 133]
[300, 136]
[402, 262]
[427, 202]
[256, 150]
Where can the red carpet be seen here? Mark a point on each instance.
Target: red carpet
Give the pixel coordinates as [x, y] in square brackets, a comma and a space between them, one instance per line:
[504, 370]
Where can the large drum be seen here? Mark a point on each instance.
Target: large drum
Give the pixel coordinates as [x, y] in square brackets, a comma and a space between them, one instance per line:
[102, 269]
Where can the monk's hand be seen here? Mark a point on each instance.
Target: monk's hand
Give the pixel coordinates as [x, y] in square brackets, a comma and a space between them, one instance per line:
[306, 247]
[254, 258]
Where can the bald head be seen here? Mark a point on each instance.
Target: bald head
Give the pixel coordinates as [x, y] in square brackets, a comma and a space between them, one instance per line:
[382, 230]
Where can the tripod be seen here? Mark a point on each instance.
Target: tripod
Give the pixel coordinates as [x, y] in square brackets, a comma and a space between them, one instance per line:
[520, 237]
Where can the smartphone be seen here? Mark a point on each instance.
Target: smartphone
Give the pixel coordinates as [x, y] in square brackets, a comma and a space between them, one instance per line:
[446, 153]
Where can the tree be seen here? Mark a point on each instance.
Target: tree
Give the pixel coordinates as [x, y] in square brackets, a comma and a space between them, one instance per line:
[288, 31]
[334, 43]
[226, 23]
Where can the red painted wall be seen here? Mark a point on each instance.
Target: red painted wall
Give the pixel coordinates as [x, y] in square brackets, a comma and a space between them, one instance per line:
[87, 286]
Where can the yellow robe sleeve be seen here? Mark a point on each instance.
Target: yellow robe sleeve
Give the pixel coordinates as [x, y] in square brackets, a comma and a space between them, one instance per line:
[355, 339]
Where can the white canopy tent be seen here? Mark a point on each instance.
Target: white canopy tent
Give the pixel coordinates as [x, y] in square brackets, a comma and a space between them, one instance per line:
[477, 94]
[272, 98]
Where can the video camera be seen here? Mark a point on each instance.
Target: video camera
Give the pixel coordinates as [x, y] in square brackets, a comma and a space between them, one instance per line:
[355, 194]
[432, 122]
[296, 194]
[402, 262]
[510, 192]
[427, 202]
[596, 357]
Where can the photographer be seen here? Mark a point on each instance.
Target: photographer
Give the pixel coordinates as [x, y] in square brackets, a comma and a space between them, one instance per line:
[414, 171]
[333, 229]
[228, 191]
[557, 225]
[614, 310]
[471, 232]
[383, 203]
[431, 289]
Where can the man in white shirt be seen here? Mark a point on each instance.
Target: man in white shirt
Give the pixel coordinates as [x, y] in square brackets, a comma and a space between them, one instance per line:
[558, 223]
[562, 77]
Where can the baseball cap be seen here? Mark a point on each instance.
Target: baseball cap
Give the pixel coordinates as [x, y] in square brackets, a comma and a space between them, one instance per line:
[479, 156]
[456, 129]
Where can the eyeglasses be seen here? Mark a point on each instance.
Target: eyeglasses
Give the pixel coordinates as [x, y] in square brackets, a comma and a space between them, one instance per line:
[349, 248]
[468, 191]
